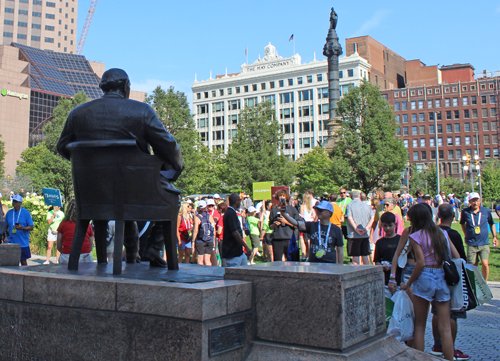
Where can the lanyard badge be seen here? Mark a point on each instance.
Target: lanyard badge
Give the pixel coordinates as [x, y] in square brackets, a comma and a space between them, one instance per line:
[322, 248]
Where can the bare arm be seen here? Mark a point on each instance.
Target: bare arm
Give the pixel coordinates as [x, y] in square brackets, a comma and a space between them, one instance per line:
[91, 243]
[394, 263]
[240, 240]
[179, 219]
[419, 263]
[195, 231]
[59, 242]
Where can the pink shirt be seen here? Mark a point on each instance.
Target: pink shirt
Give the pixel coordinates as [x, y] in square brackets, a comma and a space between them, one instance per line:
[424, 241]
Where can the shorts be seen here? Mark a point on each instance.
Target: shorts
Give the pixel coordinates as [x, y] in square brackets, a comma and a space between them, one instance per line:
[255, 239]
[454, 315]
[235, 261]
[268, 239]
[51, 237]
[407, 271]
[25, 253]
[185, 245]
[473, 252]
[358, 247]
[431, 286]
[84, 257]
[344, 231]
[204, 248]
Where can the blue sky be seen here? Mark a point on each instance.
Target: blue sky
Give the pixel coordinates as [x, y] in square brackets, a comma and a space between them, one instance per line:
[167, 42]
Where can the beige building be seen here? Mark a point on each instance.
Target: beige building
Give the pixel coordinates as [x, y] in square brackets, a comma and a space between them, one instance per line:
[46, 25]
[31, 83]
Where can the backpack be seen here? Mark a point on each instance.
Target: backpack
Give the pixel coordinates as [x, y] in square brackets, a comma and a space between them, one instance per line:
[206, 230]
[246, 227]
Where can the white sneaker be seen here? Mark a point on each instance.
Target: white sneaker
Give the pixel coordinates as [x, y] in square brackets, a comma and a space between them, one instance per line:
[46, 262]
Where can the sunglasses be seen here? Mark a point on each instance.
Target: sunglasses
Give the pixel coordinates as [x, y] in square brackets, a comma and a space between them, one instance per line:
[343, 192]
[386, 205]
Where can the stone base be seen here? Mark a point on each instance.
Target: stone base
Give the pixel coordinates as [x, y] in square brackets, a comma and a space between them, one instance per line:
[382, 349]
[62, 316]
[10, 254]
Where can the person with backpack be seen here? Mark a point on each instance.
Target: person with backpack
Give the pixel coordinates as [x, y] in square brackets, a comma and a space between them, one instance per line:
[204, 235]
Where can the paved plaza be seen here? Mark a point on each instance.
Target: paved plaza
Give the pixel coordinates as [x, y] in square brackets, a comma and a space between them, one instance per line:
[478, 335]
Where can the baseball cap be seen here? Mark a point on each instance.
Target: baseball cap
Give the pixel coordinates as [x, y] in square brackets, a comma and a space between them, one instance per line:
[324, 205]
[251, 209]
[202, 204]
[426, 196]
[474, 195]
[18, 198]
[216, 196]
[210, 202]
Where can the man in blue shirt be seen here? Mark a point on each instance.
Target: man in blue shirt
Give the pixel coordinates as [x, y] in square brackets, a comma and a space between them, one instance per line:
[474, 221]
[20, 225]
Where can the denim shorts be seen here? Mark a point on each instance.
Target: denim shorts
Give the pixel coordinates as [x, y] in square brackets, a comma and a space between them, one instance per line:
[407, 271]
[431, 286]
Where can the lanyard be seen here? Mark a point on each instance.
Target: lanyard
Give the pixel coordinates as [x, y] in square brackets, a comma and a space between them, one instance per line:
[18, 215]
[326, 236]
[473, 222]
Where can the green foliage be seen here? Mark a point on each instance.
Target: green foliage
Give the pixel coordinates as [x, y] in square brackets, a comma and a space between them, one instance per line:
[255, 154]
[45, 169]
[490, 177]
[200, 172]
[3, 153]
[367, 154]
[426, 180]
[54, 128]
[314, 171]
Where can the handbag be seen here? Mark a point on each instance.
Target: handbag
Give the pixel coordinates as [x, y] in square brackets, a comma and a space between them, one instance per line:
[401, 324]
[451, 275]
[457, 291]
[479, 286]
[403, 256]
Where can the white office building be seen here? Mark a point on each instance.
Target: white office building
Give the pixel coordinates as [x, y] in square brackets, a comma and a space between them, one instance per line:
[299, 93]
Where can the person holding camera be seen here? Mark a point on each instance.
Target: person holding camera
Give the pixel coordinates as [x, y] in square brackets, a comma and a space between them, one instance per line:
[282, 229]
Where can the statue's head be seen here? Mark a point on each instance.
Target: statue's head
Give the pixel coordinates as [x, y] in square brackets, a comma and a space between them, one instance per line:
[115, 80]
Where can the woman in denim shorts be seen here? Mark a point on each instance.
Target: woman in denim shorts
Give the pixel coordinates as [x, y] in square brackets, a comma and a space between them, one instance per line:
[430, 246]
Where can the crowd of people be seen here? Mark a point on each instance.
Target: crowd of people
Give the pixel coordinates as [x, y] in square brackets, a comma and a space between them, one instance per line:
[232, 232]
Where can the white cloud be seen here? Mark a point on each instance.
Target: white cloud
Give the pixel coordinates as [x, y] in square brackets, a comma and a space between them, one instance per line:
[372, 23]
[148, 85]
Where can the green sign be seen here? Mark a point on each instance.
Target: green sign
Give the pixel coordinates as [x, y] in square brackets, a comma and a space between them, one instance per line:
[262, 190]
[6, 92]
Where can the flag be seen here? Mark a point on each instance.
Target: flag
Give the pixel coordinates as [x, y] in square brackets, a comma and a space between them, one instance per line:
[246, 50]
[291, 38]
[290, 143]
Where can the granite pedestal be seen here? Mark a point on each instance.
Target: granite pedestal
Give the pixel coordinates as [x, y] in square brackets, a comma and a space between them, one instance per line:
[49, 313]
[10, 254]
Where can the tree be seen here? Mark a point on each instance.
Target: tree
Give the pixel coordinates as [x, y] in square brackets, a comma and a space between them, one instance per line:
[256, 153]
[313, 171]
[45, 169]
[54, 128]
[3, 153]
[367, 154]
[42, 164]
[490, 178]
[200, 172]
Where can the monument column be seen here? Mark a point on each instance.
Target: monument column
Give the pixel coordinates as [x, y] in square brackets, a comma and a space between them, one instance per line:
[332, 50]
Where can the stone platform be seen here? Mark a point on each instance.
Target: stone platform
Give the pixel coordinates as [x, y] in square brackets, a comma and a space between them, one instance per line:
[274, 311]
[49, 313]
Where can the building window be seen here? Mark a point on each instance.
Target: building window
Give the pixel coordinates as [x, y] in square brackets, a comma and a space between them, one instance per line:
[50, 16]
[398, 131]
[483, 99]
[396, 106]
[465, 101]
[422, 142]
[455, 102]
[473, 99]
[405, 132]
[449, 141]
[414, 130]
[440, 128]
[250, 102]
[493, 112]
[487, 152]
[234, 104]
[229, 91]
[290, 82]
[282, 83]
[495, 152]
[421, 117]
[414, 118]
[9, 10]
[50, 4]
[437, 103]
[415, 154]
[245, 88]
[494, 125]
[431, 129]
[422, 129]
[341, 74]
[450, 154]
[457, 114]
[414, 143]
[432, 142]
[459, 154]
[486, 139]
[238, 90]
[423, 155]
[448, 114]
[486, 126]
[22, 24]
[405, 143]
[466, 114]
[319, 77]
[429, 103]
[21, 36]
[467, 127]
[309, 79]
[467, 140]
[413, 105]
[433, 154]
[440, 142]
[350, 73]
[405, 118]
[49, 28]
[49, 40]
[254, 87]
[457, 128]
[484, 112]
[474, 113]
[35, 38]
[420, 104]
[431, 115]
[492, 99]
[449, 128]
[286, 98]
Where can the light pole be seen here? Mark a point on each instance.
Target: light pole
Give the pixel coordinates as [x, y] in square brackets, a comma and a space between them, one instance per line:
[437, 151]
[478, 169]
[466, 159]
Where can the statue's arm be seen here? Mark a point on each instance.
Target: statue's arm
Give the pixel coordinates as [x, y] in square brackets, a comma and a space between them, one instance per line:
[163, 143]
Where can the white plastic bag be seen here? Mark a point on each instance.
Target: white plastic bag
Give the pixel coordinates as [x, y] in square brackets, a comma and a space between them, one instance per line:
[457, 293]
[401, 325]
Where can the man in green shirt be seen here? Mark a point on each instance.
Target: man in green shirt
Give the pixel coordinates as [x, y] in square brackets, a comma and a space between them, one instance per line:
[54, 218]
[342, 202]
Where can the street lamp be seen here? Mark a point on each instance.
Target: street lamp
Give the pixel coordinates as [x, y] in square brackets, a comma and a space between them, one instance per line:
[437, 151]
[467, 167]
[478, 169]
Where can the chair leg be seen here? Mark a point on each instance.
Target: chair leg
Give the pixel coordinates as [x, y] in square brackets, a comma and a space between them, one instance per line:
[101, 233]
[117, 256]
[76, 246]
[170, 236]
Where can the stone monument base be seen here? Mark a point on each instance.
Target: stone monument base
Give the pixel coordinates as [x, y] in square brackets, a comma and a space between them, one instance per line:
[10, 254]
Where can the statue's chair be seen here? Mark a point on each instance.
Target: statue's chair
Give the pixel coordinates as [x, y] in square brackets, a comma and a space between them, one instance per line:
[115, 180]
